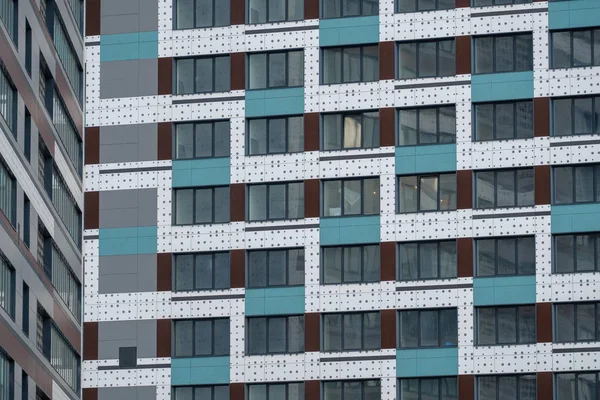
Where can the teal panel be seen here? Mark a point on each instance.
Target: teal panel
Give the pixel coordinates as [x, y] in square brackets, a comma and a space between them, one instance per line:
[575, 218]
[427, 362]
[504, 290]
[573, 14]
[128, 46]
[201, 172]
[344, 31]
[424, 159]
[502, 86]
[200, 370]
[120, 241]
[350, 230]
[263, 103]
[275, 301]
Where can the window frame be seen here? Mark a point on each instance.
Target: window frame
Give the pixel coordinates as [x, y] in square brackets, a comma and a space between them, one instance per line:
[267, 2]
[574, 167]
[494, 37]
[419, 380]
[516, 186]
[278, 383]
[267, 319]
[286, 268]
[195, 190]
[494, 3]
[213, 338]
[267, 70]
[573, 236]
[418, 111]
[341, 10]
[343, 115]
[7, 365]
[342, 382]
[341, 197]
[595, 129]
[195, 124]
[418, 44]
[495, 128]
[268, 133]
[343, 315]
[7, 278]
[437, 7]
[345, 248]
[195, 255]
[399, 245]
[214, 75]
[195, 6]
[8, 89]
[496, 255]
[555, 376]
[193, 387]
[419, 312]
[576, 305]
[418, 189]
[571, 32]
[268, 186]
[8, 200]
[519, 378]
[517, 308]
[322, 51]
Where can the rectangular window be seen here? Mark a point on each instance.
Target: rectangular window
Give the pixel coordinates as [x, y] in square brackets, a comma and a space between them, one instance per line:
[500, 387]
[428, 328]
[8, 94]
[24, 386]
[352, 390]
[505, 256]
[64, 359]
[445, 388]
[354, 8]
[505, 325]
[28, 47]
[277, 267]
[575, 48]
[214, 392]
[27, 136]
[202, 140]
[202, 75]
[358, 130]
[501, 121]
[6, 377]
[68, 56]
[419, 193]
[65, 283]
[426, 125]
[576, 385]
[503, 53]
[406, 6]
[350, 264]
[427, 260]
[351, 331]
[25, 309]
[575, 116]
[8, 194]
[504, 188]
[576, 322]
[276, 391]
[275, 135]
[201, 337]
[201, 271]
[9, 16]
[350, 64]
[66, 206]
[276, 201]
[350, 197]
[485, 3]
[577, 253]
[7, 287]
[275, 335]
[191, 14]
[67, 132]
[207, 205]
[267, 11]
[276, 69]
[26, 221]
[576, 184]
[426, 59]
[77, 9]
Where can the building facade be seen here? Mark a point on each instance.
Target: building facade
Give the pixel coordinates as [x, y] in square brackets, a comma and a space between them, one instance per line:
[41, 198]
[336, 200]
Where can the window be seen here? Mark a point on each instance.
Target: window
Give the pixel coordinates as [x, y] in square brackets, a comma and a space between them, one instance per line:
[25, 309]
[8, 194]
[405, 6]
[191, 14]
[351, 331]
[427, 125]
[428, 328]
[201, 271]
[276, 391]
[507, 120]
[64, 359]
[276, 69]
[8, 15]
[26, 221]
[503, 53]
[426, 59]
[6, 376]
[504, 188]
[67, 132]
[276, 201]
[276, 135]
[350, 264]
[575, 116]
[576, 322]
[428, 388]
[505, 256]
[418, 193]
[201, 206]
[77, 9]
[202, 337]
[127, 357]
[24, 385]
[263, 11]
[576, 184]
[350, 64]
[356, 8]
[505, 325]
[352, 390]
[215, 392]
[65, 283]
[500, 387]
[68, 56]
[275, 335]
[350, 130]
[577, 253]
[484, 3]
[202, 75]
[281, 267]
[27, 136]
[28, 47]
[577, 385]
[351, 197]
[66, 206]
[7, 287]
[8, 94]
[202, 140]
[427, 260]
[577, 48]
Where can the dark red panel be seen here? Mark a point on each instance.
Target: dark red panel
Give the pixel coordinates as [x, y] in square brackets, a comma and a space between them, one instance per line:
[92, 145]
[542, 184]
[163, 338]
[386, 60]
[165, 140]
[312, 332]
[312, 390]
[464, 189]
[163, 272]
[311, 198]
[91, 210]
[544, 386]
[541, 116]
[463, 55]
[237, 262]
[466, 387]
[90, 341]
[311, 132]
[388, 329]
[237, 202]
[238, 12]
[388, 261]
[464, 250]
[387, 129]
[165, 76]
[543, 319]
[238, 71]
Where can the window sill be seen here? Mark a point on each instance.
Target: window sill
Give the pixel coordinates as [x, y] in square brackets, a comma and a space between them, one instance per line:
[454, 346]
[349, 216]
[500, 140]
[202, 356]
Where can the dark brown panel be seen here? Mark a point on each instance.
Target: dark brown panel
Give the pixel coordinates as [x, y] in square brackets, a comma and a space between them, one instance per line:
[388, 329]
[163, 338]
[165, 75]
[542, 184]
[387, 256]
[462, 4]
[165, 141]
[92, 17]
[238, 12]
[386, 60]
[237, 263]
[238, 71]
[237, 202]
[90, 341]
[463, 55]
[311, 9]
[90, 393]
[464, 189]
[92, 145]
[312, 332]
[312, 390]
[464, 250]
[163, 272]
[387, 128]
[544, 386]
[543, 322]
[236, 391]
[69, 330]
[311, 132]
[541, 116]
[466, 387]
[91, 213]
[311, 198]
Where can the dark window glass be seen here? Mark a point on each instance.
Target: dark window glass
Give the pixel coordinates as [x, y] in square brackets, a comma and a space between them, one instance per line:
[275, 335]
[276, 391]
[66, 131]
[428, 328]
[348, 8]
[503, 53]
[66, 53]
[275, 135]
[7, 287]
[505, 256]
[508, 120]
[350, 130]
[576, 253]
[445, 388]
[350, 264]
[350, 64]
[201, 337]
[576, 322]
[575, 116]
[351, 390]
[213, 392]
[202, 75]
[266, 11]
[577, 385]
[276, 201]
[427, 260]
[202, 140]
[425, 59]
[576, 184]
[431, 125]
[351, 331]
[201, 206]
[500, 387]
[281, 267]
[351, 197]
[9, 17]
[273, 70]
[505, 325]
[575, 48]
[406, 6]
[8, 193]
[485, 3]
[200, 14]
[201, 271]
[504, 188]
[426, 193]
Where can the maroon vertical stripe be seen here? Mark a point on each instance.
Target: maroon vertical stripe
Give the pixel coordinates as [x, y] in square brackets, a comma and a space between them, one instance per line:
[388, 329]
[90, 341]
[165, 76]
[237, 262]
[464, 250]
[163, 338]
[91, 210]
[311, 132]
[464, 189]
[92, 145]
[164, 272]
[388, 261]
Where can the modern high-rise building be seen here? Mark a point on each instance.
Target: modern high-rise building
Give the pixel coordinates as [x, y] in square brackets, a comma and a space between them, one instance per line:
[41, 198]
[342, 200]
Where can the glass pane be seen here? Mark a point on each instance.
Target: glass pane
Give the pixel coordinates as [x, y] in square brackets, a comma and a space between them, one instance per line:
[428, 125]
[204, 13]
[296, 334]
[184, 393]
[332, 264]
[448, 259]
[277, 68]
[277, 11]
[352, 197]
[332, 333]
[257, 11]
[295, 10]
[352, 264]
[582, 46]
[296, 267]
[295, 134]
[277, 201]
[370, 129]
[408, 194]
[446, 58]
[524, 53]
[222, 273]
[505, 122]
[448, 192]
[409, 329]
[428, 260]
[586, 322]
[221, 336]
[221, 138]
[372, 331]
[257, 71]
[352, 131]
[370, 63]
[185, 76]
[332, 198]
[204, 140]
[372, 390]
[564, 260]
[277, 267]
[257, 136]
[332, 9]
[428, 193]
[486, 387]
[484, 55]
[408, 262]
[350, 8]
[586, 386]
[448, 327]
[427, 59]
[409, 388]
[222, 75]
[185, 16]
[204, 75]
[565, 386]
[257, 268]
[405, 6]
[277, 335]
[184, 272]
[257, 202]
[562, 117]
[371, 261]
[584, 253]
[525, 187]
[565, 322]
[371, 196]
[524, 119]
[563, 185]
[295, 391]
[486, 326]
[332, 131]
[332, 66]
[257, 392]
[484, 121]
[184, 207]
[561, 49]
[527, 324]
[507, 325]
[447, 124]
[184, 141]
[505, 187]
[507, 253]
[222, 204]
[295, 200]
[295, 63]
[407, 53]
[277, 135]
[429, 329]
[507, 387]
[526, 251]
[204, 271]
[257, 335]
[527, 387]
[596, 48]
[408, 127]
[222, 16]
[584, 184]
[352, 331]
[203, 336]
[352, 64]
[583, 116]
[486, 257]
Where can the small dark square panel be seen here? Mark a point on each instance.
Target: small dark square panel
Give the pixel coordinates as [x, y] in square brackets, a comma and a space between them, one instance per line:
[127, 356]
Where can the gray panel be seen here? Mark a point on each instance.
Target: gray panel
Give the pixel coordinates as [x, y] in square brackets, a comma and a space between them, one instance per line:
[147, 207]
[119, 134]
[121, 218]
[117, 7]
[128, 208]
[128, 143]
[115, 24]
[147, 76]
[117, 283]
[116, 199]
[114, 265]
[119, 79]
[127, 393]
[148, 142]
[147, 273]
[119, 153]
[148, 16]
[146, 393]
[146, 347]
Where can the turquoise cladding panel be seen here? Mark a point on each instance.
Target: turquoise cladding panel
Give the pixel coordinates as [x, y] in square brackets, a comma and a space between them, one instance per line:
[275, 301]
[504, 290]
[425, 159]
[201, 172]
[502, 86]
[350, 230]
[121, 241]
[346, 31]
[427, 362]
[573, 14]
[200, 371]
[575, 218]
[268, 102]
[128, 46]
